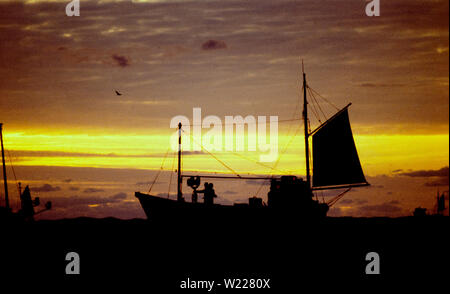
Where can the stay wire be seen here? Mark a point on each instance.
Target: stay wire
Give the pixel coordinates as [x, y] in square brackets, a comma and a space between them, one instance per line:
[318, 94]
[318, 105]
[171, 173]
[279, 158]
[159, 171]
[289, 132]
[220, 161]
[14, 173]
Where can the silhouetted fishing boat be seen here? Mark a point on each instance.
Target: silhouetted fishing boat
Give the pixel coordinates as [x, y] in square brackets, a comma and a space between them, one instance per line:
[335, 165]
[26, 213]
[440, 207]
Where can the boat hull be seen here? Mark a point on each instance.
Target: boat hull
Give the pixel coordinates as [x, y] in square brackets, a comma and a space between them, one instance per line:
[158, 208]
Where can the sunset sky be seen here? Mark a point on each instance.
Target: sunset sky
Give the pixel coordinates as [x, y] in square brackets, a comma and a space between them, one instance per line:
[76, 142]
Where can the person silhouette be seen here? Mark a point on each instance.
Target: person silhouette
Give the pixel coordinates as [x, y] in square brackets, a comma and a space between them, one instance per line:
[204, 191]
[213, 192]
[194, 196]
[209, 194]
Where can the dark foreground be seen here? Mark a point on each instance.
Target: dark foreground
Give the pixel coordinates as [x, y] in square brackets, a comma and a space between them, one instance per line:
[142, 255]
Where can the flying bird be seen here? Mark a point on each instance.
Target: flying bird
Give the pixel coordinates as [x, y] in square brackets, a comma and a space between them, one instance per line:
[117, 93]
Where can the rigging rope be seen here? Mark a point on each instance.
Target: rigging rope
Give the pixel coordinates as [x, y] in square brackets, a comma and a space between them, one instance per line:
[159, 171]
[15, 177]
[257, 162]
[221, 162]
[314, 109]
[315, 112]
[279, 158]
[317, 93]
[336, 199]
[171, 173]
[244, 123]
[294, 114]
[311, 94]
[12, 167]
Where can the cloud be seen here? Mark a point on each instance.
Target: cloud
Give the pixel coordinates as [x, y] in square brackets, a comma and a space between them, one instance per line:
[388, 208]
[381, 85]
[93, 190]
[144, 183]
[71, 201]
[75, 206]
[149, 183]
[258, 182]
[214, 45]
[45, 188]
[438, 183]
[74, 188]
[229, 192]
[443, 172]
[67, 202]
[355, 201]
[120, 60]
[442, 176]
[119, 196]
[336, 39]
[32, 153]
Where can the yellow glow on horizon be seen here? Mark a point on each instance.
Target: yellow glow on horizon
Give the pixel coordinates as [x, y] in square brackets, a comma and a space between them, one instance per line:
[379, 154]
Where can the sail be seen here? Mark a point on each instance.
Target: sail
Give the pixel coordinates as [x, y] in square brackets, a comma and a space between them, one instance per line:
[335, 159]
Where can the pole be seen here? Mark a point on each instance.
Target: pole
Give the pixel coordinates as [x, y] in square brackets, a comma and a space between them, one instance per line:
[305, 120]
[4, 169]
[179, 181]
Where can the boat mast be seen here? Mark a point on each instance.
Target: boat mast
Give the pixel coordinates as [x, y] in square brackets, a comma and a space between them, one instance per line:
[4, 169]
[179, 181]
[305, 120]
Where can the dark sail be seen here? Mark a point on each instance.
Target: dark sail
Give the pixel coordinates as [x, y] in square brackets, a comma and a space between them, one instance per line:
[335, 159]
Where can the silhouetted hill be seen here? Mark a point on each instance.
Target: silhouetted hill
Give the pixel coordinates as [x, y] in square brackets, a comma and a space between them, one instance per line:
[156, 255]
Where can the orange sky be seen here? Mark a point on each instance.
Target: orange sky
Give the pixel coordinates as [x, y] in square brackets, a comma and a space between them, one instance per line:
[58, 105]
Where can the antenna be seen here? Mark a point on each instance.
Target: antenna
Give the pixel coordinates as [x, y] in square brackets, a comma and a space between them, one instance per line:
[180, 179]
[305, 121]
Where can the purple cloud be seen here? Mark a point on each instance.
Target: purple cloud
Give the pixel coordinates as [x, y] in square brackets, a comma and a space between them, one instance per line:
[45, 188]
[213, 45]
[120, 60]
